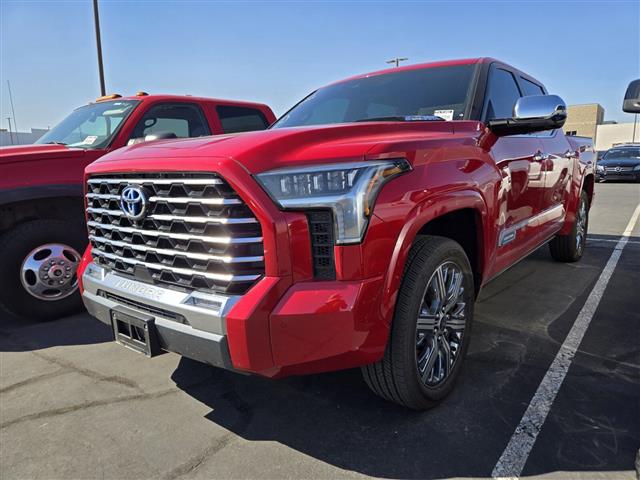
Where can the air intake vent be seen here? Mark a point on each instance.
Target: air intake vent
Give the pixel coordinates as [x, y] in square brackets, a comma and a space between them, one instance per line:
[322, 242]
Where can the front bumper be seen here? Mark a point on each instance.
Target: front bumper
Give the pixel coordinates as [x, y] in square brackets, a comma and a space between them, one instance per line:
[629, 176]
[310, 327]
[182, 327]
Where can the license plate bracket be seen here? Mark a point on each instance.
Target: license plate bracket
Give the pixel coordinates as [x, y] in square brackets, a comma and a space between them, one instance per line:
[135, 331]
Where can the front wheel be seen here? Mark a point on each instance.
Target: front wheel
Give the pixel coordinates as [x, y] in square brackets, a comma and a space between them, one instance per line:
[38, 262]
[431, 327]
[569, 248]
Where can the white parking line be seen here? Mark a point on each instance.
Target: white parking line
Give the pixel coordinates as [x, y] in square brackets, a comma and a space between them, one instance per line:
[515, 455]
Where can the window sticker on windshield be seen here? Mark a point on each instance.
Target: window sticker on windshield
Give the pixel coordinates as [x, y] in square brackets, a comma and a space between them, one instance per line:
[89, 140]
[445, 114]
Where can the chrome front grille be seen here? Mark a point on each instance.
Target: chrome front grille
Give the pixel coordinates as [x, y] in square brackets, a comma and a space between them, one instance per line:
[615, 169]
[197, 233]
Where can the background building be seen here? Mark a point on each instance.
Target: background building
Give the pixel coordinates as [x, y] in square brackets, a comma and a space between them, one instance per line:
[582, 120]
[610, 135]
[20, 138]
[588, 121]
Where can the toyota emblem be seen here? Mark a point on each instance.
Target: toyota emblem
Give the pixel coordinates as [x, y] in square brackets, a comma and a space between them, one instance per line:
[133, 202]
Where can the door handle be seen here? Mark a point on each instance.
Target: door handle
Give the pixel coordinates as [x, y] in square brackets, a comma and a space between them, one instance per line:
[540, 157]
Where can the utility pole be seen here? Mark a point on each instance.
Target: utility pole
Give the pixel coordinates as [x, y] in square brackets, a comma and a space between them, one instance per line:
[635, 122]
[96, 19]
[13, 112]
[10, 132]
[397, 60]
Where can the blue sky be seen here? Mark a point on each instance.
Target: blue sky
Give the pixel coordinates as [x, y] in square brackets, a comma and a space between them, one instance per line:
[276, 52]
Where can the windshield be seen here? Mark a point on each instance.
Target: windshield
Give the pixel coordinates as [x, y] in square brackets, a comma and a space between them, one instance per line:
[440, 91]
[91, 126]
[623, 153]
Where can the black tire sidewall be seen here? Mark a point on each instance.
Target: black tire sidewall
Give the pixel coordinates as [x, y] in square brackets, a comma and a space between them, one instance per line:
[405, 323]
[16, 244]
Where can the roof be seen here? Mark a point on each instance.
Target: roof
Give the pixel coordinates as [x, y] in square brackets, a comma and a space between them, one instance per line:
[182, 98]
[419, 66]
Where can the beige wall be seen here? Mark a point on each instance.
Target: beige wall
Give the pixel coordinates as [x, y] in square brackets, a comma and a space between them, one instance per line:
[584, 119]
[611, 134]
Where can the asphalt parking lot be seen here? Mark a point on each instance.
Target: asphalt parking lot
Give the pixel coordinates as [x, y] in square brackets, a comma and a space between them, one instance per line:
[76, 405]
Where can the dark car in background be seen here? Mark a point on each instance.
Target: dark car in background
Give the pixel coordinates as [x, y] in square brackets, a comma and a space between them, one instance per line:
[620, 163]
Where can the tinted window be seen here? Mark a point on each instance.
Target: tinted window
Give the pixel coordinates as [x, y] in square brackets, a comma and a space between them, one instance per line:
[241, 119]
[502, 94]
[176, 120]
[403, 93]
[530, 88]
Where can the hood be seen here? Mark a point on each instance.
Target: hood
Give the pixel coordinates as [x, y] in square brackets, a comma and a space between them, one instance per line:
[297, 146]
[24, 153]
[619, 162]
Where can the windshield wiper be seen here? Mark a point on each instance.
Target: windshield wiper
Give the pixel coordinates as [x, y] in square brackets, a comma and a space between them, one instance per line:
[55, 143]
[405, 118]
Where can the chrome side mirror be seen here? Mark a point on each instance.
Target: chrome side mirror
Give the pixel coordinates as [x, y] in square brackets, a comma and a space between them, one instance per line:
[632, 98]
[531, 114]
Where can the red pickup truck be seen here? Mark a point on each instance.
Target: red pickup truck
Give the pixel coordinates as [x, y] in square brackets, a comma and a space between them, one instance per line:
[356, 231]
[41, 193]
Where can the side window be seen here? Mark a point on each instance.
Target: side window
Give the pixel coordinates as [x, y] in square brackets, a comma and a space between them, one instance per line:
[530, 88]
[171, 120]
[241, 119]
[502, 94]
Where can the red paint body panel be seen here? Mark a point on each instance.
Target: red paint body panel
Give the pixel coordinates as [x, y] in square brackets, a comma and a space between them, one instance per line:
[289, 323]
[34, 166]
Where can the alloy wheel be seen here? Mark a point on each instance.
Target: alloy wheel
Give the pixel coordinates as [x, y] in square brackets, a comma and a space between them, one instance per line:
[581, 225]
[440, 324]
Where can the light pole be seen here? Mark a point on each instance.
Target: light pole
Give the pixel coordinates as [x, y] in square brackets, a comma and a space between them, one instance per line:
[96, 19]
[397, 60]
[10, 132]
[635, 121]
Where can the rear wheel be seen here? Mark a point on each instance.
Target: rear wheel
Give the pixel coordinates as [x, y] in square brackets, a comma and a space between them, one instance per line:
[569, 248]
[38, 262]
[431, 327]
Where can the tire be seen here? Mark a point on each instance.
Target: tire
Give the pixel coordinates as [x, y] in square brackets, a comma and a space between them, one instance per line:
[29, 252]
[569, 248]
[407, 374]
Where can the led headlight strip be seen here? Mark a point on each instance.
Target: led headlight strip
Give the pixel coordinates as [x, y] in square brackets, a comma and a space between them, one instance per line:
[348, 189]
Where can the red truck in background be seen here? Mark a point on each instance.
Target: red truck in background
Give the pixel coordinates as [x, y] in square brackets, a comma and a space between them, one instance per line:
[41, 188]
[356, 231]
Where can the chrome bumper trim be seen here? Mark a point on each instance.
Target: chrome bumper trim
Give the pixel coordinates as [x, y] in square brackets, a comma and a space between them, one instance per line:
[211, 319]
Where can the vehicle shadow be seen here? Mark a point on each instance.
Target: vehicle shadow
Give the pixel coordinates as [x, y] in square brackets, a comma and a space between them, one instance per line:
[334, 417]
[22, 335]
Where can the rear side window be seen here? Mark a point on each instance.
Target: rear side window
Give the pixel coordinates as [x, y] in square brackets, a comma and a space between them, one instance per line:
[530, 88]
[171, 120]
[241, 119]
[502, 94]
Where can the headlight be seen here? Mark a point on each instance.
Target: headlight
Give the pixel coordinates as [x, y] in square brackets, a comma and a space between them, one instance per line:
[637, 167]
[348, 189]
[600, 168]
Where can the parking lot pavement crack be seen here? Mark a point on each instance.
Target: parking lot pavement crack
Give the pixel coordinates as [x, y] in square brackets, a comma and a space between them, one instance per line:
[87, 405]
[195, 462]
[126, 382]
[37, 378]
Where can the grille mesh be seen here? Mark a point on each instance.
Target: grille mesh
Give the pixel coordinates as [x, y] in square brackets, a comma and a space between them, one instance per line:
[197, 232]
[322, 242]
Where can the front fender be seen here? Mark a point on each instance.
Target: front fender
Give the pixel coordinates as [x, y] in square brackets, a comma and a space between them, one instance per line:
[419, 216]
